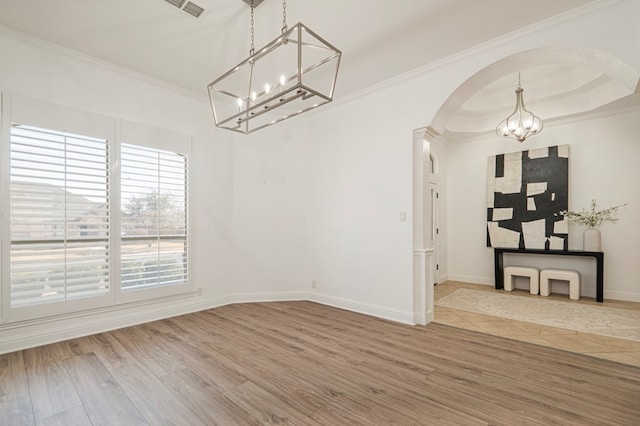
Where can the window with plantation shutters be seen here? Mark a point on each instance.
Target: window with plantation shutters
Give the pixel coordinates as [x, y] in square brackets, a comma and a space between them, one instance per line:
[89, 223]
[59, 216]
[153, 200]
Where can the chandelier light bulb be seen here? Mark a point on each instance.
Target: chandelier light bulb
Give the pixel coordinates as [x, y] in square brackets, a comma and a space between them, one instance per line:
[283, 81]
[240, 103]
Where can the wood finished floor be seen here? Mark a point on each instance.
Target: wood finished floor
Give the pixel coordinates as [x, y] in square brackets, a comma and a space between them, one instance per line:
[301, 363]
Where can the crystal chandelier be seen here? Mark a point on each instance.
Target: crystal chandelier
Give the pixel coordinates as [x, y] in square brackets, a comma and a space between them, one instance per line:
[294, 73]
[521, 123]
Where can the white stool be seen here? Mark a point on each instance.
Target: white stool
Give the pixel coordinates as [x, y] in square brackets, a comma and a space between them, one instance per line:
[560, 274]
[522, 271]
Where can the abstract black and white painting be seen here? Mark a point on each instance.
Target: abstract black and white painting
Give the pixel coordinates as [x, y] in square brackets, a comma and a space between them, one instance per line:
[526, 192]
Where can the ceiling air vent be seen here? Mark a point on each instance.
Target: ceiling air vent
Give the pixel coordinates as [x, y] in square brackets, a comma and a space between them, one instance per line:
[176, 3]
[193, 9]
[187, 7]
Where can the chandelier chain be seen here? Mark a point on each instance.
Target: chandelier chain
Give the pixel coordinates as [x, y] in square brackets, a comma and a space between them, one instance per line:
[284, 16]
[253, 48]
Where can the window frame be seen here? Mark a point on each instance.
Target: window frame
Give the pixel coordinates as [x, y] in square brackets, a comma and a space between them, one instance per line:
[129, 294]
[150, 137]
[57, 161]
[17, 109]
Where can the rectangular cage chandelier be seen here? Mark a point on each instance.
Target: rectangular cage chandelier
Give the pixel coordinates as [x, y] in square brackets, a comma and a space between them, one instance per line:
[292, 74]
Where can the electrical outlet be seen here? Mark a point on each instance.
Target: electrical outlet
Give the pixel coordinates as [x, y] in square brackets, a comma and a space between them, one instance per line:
[313, 284]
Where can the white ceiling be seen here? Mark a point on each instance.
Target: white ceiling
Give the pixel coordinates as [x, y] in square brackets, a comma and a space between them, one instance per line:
[550, 91]
[379, 39]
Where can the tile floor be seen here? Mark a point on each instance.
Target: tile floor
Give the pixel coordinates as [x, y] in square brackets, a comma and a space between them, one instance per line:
[619, 350]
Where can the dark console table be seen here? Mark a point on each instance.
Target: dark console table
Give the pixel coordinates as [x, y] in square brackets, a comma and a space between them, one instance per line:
[598, 255]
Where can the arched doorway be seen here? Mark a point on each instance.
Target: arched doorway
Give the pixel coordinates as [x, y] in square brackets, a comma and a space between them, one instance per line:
[572, 81]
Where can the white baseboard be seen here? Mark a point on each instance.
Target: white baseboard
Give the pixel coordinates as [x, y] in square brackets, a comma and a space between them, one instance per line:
[15, 337]
[430, 317]
[363, 308]
[270, 297]
[586, 291]
[471, 279]
[28, 334]
[621, 295]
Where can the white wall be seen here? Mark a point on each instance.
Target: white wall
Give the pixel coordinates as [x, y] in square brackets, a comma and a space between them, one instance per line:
[318, 198]
[361, 148]
[248, 193]
[361, 169]
[269, 216]
[40, 70]
[44, 71]
[603, 163]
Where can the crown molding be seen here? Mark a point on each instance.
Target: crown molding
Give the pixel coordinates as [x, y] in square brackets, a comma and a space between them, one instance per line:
[479, 48]
[38, 42]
